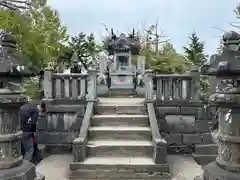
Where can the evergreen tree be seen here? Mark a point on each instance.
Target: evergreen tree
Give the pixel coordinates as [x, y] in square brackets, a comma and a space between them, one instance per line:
[195, 50]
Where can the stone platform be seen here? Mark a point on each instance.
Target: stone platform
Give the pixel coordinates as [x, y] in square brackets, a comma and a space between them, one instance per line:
[56, 167]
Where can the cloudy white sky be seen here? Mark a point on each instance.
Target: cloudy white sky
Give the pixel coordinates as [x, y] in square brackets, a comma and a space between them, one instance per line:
[177, 18]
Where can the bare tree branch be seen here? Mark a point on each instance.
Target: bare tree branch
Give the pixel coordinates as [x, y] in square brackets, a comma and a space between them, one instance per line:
[219, 29]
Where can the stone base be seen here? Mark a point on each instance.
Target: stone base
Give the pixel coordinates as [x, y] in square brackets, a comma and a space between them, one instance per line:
[213, 172]
[204, 159]
[25, 171]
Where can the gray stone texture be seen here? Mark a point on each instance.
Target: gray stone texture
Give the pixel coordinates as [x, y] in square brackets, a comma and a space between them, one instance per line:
[186, 128]
[60, 127]
[26, 171]
[213, 172]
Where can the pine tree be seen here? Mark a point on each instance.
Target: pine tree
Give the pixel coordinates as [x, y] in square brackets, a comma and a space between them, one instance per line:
[195, 50]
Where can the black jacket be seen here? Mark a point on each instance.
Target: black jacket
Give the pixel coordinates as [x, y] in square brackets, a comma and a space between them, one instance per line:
[28, 112]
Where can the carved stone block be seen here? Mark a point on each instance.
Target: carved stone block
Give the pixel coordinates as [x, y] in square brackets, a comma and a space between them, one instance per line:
[181, 124]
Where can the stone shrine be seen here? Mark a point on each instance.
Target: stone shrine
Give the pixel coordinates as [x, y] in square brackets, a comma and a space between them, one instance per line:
[121, 72]
[226, 68]
[12, 165]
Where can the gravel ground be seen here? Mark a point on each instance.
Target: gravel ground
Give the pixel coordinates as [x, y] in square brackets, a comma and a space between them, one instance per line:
[56, 167]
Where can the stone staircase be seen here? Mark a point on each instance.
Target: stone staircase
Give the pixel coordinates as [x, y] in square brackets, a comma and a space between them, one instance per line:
[120, 143]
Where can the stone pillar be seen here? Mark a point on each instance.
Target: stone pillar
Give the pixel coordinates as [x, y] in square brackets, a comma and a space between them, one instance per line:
[227, 164]
[195, 89]
[148, 80]
[92, 84]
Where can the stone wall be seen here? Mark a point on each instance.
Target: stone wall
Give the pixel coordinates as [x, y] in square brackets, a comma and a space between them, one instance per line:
[61, 125]
[183, 125]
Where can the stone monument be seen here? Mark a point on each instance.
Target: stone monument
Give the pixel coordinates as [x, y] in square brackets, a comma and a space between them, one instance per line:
[122, 48]
[12, 165]
[226, 68]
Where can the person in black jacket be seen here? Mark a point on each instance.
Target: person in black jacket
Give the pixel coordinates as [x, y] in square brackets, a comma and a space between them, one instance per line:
[29, 113]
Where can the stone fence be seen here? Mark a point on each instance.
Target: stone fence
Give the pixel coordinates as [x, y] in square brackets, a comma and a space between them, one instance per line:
[66, 97]
[183, 119]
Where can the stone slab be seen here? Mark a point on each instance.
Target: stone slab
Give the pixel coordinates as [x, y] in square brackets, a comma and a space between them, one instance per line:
[136, 164]
[120, 120]
[119, 148]
[173, 138]
[207, 149]
[119, 133]
[122, 100]
[180, 149]
[190, 139]
[120, 109]
[55, 137]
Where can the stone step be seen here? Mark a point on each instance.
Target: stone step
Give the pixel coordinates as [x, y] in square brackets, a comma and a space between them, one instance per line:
[208, 149]
[121, 109]
[117, 148]
[121, 92]
[119, 168]
[113, 175]
[120, 120]
[120, 133]
[121, 101]
[204, 159]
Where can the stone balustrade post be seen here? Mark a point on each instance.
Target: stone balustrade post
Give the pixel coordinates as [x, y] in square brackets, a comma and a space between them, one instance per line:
[148, 80]
[47, 85]
[92, 84]
[195, 88]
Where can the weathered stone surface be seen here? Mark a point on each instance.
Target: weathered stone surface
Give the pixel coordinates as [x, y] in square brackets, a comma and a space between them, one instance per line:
[207, 138]
[190, 139]
[204, 159]
[26, 171]
[160, 154]
[120, 132]
[206, 149]
[213, 172]
[120, 109]
[68, 137]
[198, 112]
[56, 167]
[173, 138]
[202, 126]
[179, 149]
[48, 137]
[161, 111]
[118, 148]
[120, 119]
[181, 124]
[55, 137]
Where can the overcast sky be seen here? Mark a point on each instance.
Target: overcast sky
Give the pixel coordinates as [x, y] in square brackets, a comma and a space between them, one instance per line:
[177, 18]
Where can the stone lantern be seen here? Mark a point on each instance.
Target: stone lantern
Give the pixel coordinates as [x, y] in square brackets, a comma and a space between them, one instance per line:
[12, 165]
[226, 69]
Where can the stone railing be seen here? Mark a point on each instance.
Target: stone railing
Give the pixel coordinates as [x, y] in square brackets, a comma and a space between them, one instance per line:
[66, 99]
[64, 86]
[181, 117]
